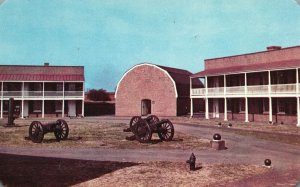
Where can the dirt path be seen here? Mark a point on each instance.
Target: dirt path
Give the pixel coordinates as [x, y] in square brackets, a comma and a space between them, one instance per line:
[241, 149]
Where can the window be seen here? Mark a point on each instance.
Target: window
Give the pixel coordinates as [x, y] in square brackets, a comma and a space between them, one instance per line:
[5, 87]
[242, 105]
[37, 86]
[5, 106]
[281, 106]
[59, 87]
[229, 105]
[281, 77]
[37, 106]
[58, 106]
[72, 87]
[265, 105]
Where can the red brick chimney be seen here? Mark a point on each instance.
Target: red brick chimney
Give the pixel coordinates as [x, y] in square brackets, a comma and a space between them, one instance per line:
[274, 47]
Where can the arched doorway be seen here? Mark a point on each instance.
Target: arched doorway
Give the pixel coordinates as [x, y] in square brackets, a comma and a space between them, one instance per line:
[146, 107]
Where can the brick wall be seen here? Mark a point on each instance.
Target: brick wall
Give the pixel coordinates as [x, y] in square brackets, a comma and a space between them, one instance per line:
[286, 119]
[146, 82]
[254, 58]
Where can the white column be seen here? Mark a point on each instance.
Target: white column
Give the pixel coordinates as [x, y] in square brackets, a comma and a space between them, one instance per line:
[82, 108]
[191, 107]
[192, 112]
[270, 110]
[206, 86]
[246, 110]
[225, 100]
[206, 109]
[297, 82]
[63, 102]
[225, 109]
[22, 111]
[270, 98]
[246, 100]
[43, 108]
[43, 101]
[297, 93]
[1, 108]
[298, 112]
[206, 99]
[63, 108]
[1, 101]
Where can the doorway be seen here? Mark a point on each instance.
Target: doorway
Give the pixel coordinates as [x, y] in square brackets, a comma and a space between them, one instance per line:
[72, 108]
[146, 107]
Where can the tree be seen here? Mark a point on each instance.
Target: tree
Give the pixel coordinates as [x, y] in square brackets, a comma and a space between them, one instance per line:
[98, 95]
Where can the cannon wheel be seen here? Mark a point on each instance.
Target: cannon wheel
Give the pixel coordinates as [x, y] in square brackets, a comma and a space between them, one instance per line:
[133, 122]
[61, 131]
[153, 119]
[36, 133]
[166, 131]
[142, 132]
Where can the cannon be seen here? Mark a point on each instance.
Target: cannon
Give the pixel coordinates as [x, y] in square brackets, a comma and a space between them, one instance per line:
[144, 128]
[13, 112]
[37, 130]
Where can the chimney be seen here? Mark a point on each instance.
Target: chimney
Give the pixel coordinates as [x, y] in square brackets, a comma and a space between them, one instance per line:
[46, 64]
[273, 48]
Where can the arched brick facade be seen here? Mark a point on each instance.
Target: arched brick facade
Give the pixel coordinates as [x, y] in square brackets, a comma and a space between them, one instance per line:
[146, 81]
[164, 86]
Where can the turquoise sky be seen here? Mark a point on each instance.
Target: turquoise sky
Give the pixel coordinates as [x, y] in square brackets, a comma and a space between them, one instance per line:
[110, 36]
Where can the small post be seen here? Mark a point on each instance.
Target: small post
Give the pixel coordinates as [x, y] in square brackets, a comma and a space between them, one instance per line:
[192, 162]
[10, 121]
[217, 143]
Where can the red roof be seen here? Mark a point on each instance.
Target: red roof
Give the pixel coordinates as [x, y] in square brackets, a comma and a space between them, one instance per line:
[182, 80]
[41, 73]
[279, 65]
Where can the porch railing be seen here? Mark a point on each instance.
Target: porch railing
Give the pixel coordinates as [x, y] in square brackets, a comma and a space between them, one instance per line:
[275, 90]
[40, 94]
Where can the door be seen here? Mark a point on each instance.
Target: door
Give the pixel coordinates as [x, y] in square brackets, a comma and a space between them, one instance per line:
[146, 107]
[72, 108]
[216, 108]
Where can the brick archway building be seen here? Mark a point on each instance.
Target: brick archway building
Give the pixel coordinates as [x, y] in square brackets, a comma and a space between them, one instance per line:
[153, 89]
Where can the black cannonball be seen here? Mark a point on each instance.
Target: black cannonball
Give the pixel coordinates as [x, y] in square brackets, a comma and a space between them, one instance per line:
[230, 125]
[217, 136]
[219, 123]
[267, 162]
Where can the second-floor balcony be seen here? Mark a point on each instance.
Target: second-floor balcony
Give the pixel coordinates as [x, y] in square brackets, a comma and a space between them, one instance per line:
[41, 94]
[256, 90]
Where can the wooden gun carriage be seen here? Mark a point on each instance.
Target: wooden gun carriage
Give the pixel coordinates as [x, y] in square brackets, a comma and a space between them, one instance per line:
[37, 130]
[143, 128]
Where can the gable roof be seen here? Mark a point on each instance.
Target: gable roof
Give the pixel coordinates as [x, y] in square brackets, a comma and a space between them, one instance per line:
[279, 65]
[180, 76]
[41, 73]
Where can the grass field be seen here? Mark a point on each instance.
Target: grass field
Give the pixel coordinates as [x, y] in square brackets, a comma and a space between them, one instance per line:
[95, 134]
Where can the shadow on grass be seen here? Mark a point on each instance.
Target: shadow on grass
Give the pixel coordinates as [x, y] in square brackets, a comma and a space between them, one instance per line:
[156, 141]
[19, 170]
[55, 140]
